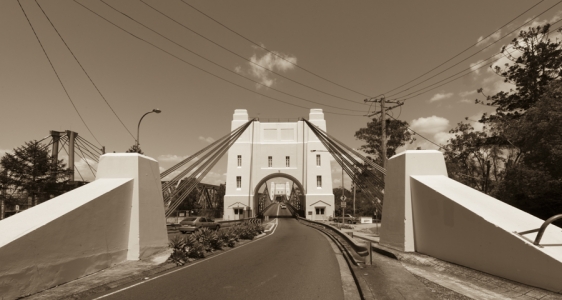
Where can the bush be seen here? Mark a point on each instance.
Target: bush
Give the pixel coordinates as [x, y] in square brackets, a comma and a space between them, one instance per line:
[205, 240]
[178, 256]
[193, 247]
[228, 237]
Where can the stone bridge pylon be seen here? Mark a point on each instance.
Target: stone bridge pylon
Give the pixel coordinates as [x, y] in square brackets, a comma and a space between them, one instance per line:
[278, 149]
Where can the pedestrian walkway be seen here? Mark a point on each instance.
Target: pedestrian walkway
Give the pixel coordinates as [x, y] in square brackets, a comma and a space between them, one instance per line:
[436, 274]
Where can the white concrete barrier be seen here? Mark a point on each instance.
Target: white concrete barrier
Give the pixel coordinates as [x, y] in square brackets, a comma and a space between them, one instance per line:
[440, 217]
[117, 217]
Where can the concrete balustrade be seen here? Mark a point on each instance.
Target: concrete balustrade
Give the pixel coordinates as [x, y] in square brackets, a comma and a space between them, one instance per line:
[117, 217]
[429, 213]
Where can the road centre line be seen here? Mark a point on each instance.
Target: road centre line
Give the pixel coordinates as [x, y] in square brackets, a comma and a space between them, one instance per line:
[190, 265]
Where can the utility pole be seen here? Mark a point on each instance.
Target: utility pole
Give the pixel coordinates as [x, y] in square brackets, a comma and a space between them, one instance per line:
[382, 100]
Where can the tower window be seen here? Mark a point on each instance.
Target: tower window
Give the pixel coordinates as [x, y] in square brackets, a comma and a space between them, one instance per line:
[319, 181]
[239, 160]
[287, 161]
[269, 161]
[238, 181]
[318, 159]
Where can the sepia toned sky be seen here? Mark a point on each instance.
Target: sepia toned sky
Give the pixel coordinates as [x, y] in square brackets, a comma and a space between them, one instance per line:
[165, 54]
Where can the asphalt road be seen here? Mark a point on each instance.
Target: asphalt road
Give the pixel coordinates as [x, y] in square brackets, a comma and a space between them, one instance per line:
[276, 210]
[294, 262]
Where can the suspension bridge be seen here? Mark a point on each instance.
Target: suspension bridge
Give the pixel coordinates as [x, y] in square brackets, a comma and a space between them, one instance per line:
[124, 210]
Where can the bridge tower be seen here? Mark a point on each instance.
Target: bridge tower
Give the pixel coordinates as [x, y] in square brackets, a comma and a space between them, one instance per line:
[278, 149]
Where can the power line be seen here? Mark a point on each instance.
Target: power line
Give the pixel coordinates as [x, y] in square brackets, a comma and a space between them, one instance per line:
[87, 75]
[273, 52]
[440, 146]
[481, 50]
[54, 70]
[404, 97]
[246, 59]
[208, 72]
[225, 68]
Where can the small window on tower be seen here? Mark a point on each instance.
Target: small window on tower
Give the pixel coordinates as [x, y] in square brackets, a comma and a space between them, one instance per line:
[239, 160]
[238, 181]
[318, 159]
[287, 161]
[319, 181]
[269, 161]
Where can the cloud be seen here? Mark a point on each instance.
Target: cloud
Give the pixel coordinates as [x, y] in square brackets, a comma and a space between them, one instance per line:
[206, 139]
[492, 38]
[170, 158]
[476, 66]
[431, 125]
[214, 178]
[273, 61]
[467, 93]
[466, 101]
[440, 96]
[83, 167]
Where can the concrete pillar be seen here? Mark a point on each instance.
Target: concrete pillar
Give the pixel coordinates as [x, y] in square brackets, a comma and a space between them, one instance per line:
[71, 140]
[147, 231]
[397, 230]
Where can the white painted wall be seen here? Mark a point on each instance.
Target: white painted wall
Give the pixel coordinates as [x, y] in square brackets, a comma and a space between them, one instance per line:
[277, 140]
[397, 224]
[437, 216]
[85, 230]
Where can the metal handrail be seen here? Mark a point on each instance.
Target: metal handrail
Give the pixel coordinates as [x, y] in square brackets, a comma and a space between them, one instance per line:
[359, 249]
[541, 229]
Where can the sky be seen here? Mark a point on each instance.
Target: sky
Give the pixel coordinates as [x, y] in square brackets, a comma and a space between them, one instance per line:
[169, 55]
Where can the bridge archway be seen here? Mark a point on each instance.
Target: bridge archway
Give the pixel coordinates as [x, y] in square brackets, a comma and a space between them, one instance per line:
[301, 196]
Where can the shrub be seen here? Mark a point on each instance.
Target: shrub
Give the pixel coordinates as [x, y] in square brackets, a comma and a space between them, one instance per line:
[193, 247]
[227, 237]
[178, 256]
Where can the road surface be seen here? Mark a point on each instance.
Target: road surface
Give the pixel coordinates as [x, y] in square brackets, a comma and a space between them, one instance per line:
[294, 262]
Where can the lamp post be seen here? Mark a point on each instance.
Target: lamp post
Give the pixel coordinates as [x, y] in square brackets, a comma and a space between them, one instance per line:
[156, 110]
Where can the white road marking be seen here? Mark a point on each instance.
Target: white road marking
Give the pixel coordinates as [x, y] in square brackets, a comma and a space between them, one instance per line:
[185, 267]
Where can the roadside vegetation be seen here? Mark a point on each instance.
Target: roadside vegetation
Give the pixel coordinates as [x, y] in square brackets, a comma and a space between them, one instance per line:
[197, 245]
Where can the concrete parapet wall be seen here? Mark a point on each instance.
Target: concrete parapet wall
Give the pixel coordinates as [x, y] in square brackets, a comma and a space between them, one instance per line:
[85, 230]
[456, 223]
[427, 212]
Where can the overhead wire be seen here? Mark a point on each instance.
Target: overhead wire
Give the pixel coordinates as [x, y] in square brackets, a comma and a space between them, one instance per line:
[481, 50]
[273, 52]
[249, 60]
[84, 70]
[208, 72]
[227, 69]
[472, 68]
[416, 133]
[56, 73]
[470, 47]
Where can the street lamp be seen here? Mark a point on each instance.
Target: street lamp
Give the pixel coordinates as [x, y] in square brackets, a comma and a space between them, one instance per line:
[156, 110]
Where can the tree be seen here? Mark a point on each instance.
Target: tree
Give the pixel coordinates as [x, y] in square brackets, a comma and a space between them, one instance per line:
[135, 149]
[526, 125]
[538, 63]
[32, 170]
[397, 135]
[533, 182]
[473, 161]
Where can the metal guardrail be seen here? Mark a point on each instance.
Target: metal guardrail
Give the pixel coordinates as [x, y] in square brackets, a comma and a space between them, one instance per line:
[541, 229]
[361, 250]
